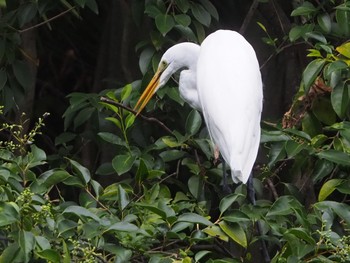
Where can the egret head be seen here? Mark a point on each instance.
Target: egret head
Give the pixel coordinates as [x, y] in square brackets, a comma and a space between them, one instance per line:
[159, 79]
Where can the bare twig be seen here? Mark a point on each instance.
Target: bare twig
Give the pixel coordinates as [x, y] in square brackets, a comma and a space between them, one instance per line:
[249, 16]
[272, 188]
[46, 21]
[150, 119]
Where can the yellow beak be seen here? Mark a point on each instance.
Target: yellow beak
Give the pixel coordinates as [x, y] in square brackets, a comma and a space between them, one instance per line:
[148, 93]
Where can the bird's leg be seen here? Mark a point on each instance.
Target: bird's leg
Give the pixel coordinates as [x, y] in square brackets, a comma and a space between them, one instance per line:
[252, 199]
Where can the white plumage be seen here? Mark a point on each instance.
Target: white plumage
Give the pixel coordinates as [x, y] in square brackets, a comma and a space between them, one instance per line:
[222, 79]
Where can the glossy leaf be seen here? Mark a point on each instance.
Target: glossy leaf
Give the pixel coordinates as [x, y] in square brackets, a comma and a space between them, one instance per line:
[340, 99]
[82, 172]
[324, 21]
[227, 201]
[235, 232]
[123, 226]
[164, 23]
[328, 188]
[335, 156]
[123, 163]
[81, 212]
[311, 72]
[200, 14]
[215, 231]
[193, 122]
[194, 218]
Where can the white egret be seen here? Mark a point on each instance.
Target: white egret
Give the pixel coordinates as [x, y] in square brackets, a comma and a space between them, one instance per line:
[222, 79]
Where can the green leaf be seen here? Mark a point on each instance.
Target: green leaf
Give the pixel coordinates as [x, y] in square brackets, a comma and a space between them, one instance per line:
[322, 109]
[183, 20]
[81, 212]
[111, 138]
[53, 177]
[302, 234]
[340, 99]
[311, 125]
[9, 213]
[123, 227]
[171, 155]
[123, 198]
[227, 201]
[328, 188]
[342, 210]
[335, 156]
[123, 163]
[293, 148]
[344, 49]
[193, 122]
[83, 116]
[194, 218]
[154, 209]
[26, 242]
[164, 23]
[277, 153]
[92, 5]
[129, 120]
[273, 136]
[282, 206]
[22, 73]
[305, 9]
[311, 72]
[10, 253]
[82, 172]
[322, 169]
[126, 91]
[201, 254]
[343, 20]
[235, 232]
[184, 5]
[200, 14]
[145, 59]
[50, 255]
[216, 232]
[325, 22]
[210, 8]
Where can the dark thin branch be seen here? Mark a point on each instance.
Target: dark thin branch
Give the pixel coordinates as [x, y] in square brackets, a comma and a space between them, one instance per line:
[46, 21]
[150, 119]
[248, 17]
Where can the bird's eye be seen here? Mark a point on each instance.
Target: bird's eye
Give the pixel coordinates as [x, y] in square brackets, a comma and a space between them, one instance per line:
[163, 64]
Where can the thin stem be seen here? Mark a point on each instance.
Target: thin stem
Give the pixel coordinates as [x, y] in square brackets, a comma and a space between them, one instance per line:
[150, 119]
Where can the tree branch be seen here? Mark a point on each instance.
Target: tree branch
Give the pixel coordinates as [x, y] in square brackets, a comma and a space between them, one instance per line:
[150, 119]
[46, 21]
[248, 17]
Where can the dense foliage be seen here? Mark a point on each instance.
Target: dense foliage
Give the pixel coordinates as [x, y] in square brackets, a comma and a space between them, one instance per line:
[165, 201]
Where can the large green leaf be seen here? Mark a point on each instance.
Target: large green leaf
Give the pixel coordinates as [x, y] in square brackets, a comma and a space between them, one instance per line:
[81, 212]
[227, 201]
[53, 177]
[311, 72]
[82, 172]
[328, 188]
[164, 23]
[235, 232]
[50, 255]
[335, 156]
[193, 122]
[123, 163]
[9, 213]
[200, 14]
[123, 227]
[26, 242]
[340, 99]
[194, 218]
